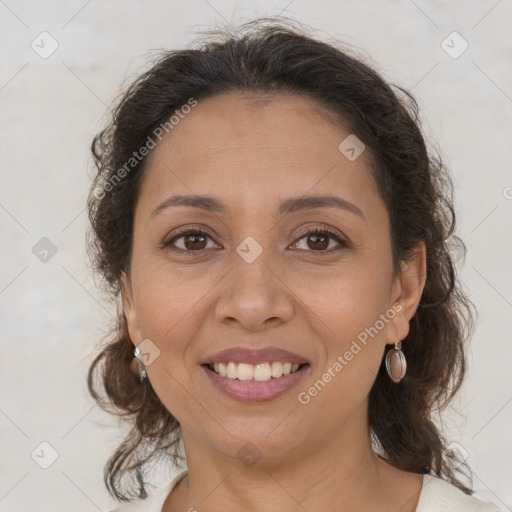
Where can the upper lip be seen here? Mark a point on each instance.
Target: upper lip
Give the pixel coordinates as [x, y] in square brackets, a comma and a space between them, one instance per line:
[254, 356]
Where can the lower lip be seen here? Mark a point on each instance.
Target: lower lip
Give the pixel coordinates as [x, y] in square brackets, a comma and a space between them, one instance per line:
[256, 391]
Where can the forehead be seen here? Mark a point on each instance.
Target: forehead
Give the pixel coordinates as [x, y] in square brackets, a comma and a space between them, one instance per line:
[250, 151]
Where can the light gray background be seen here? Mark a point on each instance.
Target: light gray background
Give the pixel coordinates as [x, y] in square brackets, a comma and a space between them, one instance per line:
[52, 316]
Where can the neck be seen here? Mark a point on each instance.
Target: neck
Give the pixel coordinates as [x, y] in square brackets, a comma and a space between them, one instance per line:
[339, 473]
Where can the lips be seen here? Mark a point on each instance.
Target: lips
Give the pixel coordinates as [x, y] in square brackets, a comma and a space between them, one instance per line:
[256, 387]
[251, 391]
[254, 356]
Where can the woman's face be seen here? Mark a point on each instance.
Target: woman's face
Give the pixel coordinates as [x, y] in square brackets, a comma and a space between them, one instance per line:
[258, 280]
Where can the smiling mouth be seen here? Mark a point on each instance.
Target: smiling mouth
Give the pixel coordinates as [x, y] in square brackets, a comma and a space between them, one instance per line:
[261, 372]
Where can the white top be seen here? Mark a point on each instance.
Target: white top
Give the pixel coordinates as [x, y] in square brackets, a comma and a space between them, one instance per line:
[436, 496]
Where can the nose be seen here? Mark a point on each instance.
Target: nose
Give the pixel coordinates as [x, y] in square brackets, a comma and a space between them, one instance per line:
[253, 296]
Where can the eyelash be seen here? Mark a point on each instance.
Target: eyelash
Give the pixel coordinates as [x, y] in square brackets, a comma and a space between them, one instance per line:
[343, 244]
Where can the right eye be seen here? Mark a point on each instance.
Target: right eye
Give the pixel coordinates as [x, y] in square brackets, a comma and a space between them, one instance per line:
[194, 240]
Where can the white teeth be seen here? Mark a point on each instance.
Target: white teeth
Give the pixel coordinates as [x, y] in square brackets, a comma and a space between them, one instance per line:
[245, 371]
[232, 370]
[260, 372]
[277, 369]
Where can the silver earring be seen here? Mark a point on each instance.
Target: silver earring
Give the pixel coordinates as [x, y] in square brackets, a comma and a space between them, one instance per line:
[142, 369]
[396, 365]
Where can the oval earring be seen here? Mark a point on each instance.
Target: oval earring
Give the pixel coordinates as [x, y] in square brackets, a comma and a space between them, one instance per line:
[396, 365]
[142, 368]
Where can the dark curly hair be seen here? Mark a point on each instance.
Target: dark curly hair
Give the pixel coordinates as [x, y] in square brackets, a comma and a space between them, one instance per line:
[271, 56]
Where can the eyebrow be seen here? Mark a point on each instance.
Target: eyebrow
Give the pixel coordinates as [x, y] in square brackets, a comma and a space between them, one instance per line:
[290, 205]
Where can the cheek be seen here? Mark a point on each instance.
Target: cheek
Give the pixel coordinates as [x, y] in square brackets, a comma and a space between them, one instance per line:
[349, 312]
[169, 310]
[165, 293]
[172, 305]
[345, 297]
[353, 345]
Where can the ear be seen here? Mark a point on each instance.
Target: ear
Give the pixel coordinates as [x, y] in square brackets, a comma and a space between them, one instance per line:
[407, 291]
[129, 309]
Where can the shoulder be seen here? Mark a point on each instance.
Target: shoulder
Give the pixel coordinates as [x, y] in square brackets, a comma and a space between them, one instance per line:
[155, 501]
[437, 494]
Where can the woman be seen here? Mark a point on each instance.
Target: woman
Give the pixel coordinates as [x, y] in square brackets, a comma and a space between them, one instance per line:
[266, 210]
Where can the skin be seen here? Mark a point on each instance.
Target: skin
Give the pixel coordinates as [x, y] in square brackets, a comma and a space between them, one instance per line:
[296, 296]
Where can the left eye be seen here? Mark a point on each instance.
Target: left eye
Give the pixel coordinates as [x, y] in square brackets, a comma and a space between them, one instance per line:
[319, 240]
